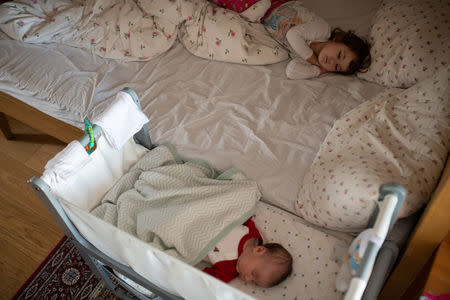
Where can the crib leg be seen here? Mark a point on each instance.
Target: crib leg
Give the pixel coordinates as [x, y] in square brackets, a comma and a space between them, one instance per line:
[4, 126]
[101, 273]
[95, 267]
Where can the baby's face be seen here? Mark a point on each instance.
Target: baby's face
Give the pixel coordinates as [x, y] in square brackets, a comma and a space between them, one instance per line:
[255, 267]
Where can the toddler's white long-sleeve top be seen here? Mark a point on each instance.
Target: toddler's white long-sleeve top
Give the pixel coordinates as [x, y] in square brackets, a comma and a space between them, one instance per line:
[296, 27]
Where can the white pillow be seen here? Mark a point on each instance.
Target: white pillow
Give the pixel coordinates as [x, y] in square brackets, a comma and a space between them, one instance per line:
[402, 138]
[410, 41]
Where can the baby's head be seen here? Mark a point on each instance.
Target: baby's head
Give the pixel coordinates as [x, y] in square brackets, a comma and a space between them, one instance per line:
[345, 53]
[265, 265]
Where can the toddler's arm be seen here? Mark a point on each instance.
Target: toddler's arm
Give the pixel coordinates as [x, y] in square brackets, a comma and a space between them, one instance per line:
[298, 36]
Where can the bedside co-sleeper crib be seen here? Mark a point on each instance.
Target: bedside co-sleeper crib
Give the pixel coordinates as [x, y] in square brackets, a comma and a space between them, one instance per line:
[75, 192]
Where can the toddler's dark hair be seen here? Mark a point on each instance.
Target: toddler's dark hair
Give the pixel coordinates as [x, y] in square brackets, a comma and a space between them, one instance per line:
[281, 257]
[359, 46]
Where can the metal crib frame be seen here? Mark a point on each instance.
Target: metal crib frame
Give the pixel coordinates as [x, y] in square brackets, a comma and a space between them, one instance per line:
[102, 265]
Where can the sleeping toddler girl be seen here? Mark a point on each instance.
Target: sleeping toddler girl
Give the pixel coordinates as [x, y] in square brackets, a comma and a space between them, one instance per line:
[313, 48]
[242, 254]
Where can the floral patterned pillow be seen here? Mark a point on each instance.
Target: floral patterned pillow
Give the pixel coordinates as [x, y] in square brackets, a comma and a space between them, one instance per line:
[409, 41]
[402, 136]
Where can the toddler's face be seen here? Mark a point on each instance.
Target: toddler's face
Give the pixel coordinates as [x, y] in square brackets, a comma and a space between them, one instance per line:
[335, 57]
[255, 267]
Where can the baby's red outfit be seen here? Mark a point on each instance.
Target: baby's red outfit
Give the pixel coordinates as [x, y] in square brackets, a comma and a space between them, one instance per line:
[225, 270]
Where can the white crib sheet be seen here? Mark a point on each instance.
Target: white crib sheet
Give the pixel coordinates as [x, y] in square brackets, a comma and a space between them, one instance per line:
[316, 257]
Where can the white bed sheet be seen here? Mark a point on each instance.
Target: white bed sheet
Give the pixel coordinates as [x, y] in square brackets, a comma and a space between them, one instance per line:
[250, 117]
[316, 255]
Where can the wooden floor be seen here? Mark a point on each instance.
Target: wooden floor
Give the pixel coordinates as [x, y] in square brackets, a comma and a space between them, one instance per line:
[27, 231]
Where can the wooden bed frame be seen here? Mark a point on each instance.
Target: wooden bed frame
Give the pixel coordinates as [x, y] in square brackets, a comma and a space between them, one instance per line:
[429, 232]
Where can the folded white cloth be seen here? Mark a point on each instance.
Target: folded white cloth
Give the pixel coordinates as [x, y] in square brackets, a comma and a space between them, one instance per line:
[121, 120]
[65, 164]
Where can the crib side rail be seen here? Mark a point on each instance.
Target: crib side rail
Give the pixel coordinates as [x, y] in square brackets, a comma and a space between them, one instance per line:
[391, 199]
[93, 257]
[96, 259]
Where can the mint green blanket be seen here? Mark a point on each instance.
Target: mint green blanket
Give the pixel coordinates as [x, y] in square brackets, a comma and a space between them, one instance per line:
[183, 208]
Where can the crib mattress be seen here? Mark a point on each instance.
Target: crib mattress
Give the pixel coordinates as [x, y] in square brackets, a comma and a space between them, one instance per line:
[316, 256]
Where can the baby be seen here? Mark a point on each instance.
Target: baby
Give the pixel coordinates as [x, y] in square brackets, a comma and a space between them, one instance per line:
[314, 49]
[242, 254]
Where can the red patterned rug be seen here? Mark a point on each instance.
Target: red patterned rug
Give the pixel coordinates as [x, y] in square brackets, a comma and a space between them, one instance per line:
[63, 275]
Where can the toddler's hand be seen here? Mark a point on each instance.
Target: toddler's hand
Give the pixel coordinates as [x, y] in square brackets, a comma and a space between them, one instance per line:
[313, 60]
[322, 70]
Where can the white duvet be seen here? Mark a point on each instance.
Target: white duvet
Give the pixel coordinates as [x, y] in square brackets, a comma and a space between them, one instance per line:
[141, 30]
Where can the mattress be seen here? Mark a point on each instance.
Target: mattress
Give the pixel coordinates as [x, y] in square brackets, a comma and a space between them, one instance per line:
[316, 262]
[250, 117]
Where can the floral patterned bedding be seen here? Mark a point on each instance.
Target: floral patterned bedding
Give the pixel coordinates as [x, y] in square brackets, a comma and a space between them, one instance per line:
[134, 31]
